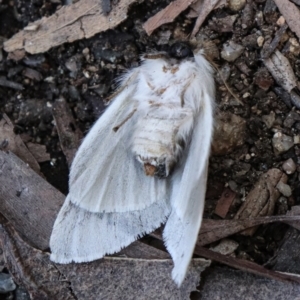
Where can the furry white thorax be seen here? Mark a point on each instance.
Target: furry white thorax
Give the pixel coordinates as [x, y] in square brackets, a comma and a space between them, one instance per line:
[160, 124]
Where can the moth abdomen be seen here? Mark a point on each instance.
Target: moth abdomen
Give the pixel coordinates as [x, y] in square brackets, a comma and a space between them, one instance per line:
[158, 142]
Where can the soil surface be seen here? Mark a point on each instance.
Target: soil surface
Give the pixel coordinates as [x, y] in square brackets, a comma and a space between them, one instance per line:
[85, 73]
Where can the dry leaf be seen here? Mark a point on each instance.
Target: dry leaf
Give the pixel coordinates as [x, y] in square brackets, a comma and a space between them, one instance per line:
[291, 14]
[82, 19]
[204, 9]
[15, 143]
[140, 250]
[224, 203]
[196, 7]
[262, 198]
[122, 278]
[69, 135]
[166, 15]
[38, 151]
[28, 201]
[32, 268]
[279, 66]
[215, 230]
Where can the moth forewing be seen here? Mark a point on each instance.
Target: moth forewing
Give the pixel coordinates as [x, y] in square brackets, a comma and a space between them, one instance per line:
[143, 163]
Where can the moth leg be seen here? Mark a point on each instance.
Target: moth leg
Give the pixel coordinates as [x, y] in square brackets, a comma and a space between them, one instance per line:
[116, 128]
[124, 85]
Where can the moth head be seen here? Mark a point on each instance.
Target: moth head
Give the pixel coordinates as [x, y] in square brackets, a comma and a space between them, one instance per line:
[180, 50]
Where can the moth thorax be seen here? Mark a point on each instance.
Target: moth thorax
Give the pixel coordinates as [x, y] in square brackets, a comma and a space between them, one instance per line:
[156, 146]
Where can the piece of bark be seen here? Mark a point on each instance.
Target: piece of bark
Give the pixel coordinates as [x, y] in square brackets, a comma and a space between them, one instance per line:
[32, 268]
[10, 84]
[291, 14]
[28, 201]
[167, 15]
[196, 7]
[69, 134]
[262, 198]
[269, 48]
[15, 143]
[16, 55]
[224, 203]
[280, 68]
[82, 19]
[122, 278]
[38, 151]
[206, 7]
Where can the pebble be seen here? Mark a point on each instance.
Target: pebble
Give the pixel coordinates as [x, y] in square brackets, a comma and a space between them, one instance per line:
[229, 133]
[289, 166]
[269, 119]
[297, 139]
[260, 41]
[291, 118]
[236, 5]
[282, 143]
[231, 51]
[6, 283]
[284, 189]
[280, 21]
[21, 294]
[225, 247]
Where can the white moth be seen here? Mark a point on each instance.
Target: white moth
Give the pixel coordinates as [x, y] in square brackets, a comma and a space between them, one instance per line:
[143, 163]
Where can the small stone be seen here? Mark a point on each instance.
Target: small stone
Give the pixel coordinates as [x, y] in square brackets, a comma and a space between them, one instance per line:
[280, 21]
[236, 5]
[260, 41]
[289, 166]
[284, 189]
[294, 46]
[291, 118]
[297, 139]
[269, 119]
[21, 294]
[85, 51]
[231, 51]
[282, 143]
[248, 156]
[6, 283]
[223, 24]
[229, 133]
[263, 79]
[225, 247]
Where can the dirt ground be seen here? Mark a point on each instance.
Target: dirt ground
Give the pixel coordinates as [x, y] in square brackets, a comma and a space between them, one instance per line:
[251, 103]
